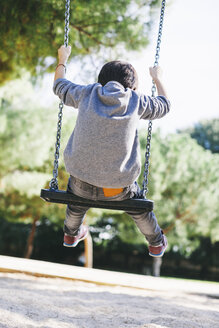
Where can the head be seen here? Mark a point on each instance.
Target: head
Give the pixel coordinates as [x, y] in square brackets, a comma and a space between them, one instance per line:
[119, 71]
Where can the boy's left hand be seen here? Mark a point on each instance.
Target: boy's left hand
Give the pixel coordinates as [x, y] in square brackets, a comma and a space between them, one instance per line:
[63, 54]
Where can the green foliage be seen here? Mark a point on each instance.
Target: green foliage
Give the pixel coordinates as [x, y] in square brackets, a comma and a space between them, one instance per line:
[206, 133]
[12, 238]
[27, 139]
[23, 134]
[33, 30]
[184, 179]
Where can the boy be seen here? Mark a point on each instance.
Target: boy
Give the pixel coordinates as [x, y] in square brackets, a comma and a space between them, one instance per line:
[103, 153]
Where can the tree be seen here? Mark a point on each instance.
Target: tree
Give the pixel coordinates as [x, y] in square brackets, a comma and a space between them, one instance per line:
[27, 138]
[206, 133]
[33, 30]
[184, 180]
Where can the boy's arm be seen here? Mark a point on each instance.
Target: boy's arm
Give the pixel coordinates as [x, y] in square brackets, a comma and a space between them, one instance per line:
[67, 91]
[155, 107]
[63, 55]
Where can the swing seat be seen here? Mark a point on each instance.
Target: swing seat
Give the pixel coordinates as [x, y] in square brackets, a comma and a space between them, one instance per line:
[64, 197]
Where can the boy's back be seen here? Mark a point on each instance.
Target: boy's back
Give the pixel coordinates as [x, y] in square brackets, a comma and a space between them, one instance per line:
[104, 149]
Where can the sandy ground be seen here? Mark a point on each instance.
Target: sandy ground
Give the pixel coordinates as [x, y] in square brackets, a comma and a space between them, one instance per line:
[28, 301]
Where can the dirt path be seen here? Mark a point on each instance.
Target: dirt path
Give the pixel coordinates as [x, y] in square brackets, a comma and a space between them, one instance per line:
[27, 301]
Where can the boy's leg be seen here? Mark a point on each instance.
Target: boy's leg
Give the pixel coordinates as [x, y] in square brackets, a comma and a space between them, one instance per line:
[74, 230]
[74, 218]
[74, 214]
[146, 221]
[147, 224]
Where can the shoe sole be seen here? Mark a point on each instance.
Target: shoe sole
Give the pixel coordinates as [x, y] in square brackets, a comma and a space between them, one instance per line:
[75, 244]
[158, 255]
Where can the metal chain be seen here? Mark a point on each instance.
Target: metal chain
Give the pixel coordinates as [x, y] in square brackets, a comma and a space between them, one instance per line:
[54, 182]
[144, 190]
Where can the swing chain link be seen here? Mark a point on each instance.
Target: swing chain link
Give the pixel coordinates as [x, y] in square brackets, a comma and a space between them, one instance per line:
[54, 182]
[144, 190]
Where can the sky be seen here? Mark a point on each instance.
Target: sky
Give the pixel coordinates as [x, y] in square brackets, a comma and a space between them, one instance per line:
[188, 57]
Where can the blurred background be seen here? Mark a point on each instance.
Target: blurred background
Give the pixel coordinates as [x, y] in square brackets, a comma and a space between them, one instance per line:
[184, 168]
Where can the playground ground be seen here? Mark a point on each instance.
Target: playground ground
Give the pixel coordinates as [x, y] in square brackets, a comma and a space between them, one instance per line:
[30, 297]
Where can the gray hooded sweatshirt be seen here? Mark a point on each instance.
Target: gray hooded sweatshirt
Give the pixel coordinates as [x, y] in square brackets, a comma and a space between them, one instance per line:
[103, 149]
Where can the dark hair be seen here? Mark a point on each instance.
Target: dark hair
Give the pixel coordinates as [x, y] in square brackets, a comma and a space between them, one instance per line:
[119, 71]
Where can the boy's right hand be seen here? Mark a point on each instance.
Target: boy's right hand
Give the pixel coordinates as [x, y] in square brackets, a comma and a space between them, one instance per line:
[63, 54]
[156, 73]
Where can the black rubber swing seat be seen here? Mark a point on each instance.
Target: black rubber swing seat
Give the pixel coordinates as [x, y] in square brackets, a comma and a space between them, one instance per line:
[64, 197]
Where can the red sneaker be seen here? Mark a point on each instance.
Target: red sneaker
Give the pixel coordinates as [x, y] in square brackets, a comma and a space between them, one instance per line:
[72, 241]
[158, 251]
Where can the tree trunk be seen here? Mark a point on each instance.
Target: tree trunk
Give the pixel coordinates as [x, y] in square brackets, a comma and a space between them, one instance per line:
[157, 262]
[88, 251]
[30, 240]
